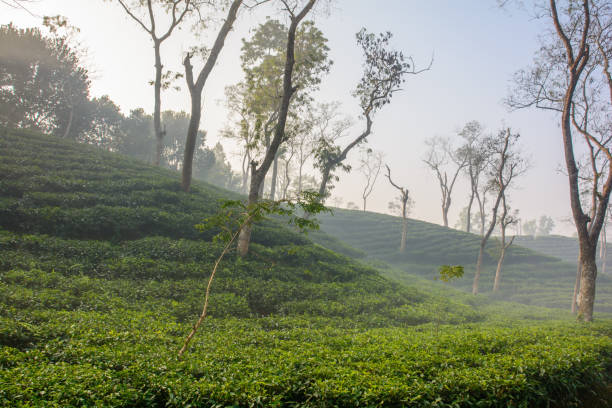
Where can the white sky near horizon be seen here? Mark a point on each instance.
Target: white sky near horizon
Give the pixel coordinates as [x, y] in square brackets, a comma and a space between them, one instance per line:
[476, 47]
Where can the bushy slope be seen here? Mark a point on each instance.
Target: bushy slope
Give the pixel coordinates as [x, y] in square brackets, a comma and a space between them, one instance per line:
[110, 218]
[102, 273]
[528, 277]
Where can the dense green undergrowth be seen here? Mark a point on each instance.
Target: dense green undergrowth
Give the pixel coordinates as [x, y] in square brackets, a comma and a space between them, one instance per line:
[102, 274]
[129, 359]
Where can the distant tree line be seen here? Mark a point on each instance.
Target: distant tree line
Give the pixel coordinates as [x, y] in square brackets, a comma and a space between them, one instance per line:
[45, 87]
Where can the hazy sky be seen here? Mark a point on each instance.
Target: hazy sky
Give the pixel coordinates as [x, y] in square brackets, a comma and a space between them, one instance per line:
[477, 48]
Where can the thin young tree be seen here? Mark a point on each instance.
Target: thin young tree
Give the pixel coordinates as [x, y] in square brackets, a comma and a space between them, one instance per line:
[571, 75]
[369, 165]
[259, 171]
[196, 86]
[146, 14]
[447, 163]
[233, 216]
[384, 72]
[506, 219]
[506, 165]
[405, 208]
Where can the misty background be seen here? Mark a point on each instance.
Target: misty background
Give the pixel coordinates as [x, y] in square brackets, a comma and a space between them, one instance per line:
[476, 47]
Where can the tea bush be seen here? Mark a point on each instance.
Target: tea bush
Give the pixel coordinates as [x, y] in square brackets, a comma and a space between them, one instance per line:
[102, 274]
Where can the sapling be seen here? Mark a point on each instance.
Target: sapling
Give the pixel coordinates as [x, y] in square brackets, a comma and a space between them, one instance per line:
[235, 214]
[447, 274]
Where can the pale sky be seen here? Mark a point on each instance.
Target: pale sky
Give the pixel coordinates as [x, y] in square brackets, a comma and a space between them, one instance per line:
[476, 47]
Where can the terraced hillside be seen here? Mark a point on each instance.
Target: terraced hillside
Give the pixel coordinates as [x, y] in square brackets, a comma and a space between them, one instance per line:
[529, 277]
[564, 248]
[102, 274]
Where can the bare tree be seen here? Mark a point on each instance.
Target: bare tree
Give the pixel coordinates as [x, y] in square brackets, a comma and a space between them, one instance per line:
[242, 127]
[259, 171]
[326, 123]
[196, 87]
[571, 76]
[440, 156]
[406, 203]
[506, 219]
[383, 75]
[369, 165]
[145, 14]
[506, 165]
[476, 161]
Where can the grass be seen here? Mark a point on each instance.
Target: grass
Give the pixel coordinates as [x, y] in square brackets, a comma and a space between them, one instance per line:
[102, 274]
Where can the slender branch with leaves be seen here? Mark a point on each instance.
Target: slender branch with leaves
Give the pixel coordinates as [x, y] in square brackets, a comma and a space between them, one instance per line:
[234, 215]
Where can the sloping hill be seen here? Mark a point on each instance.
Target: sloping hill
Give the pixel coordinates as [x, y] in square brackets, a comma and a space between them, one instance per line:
[564, 248]
[528, 277]
[102, 273]
[107, 217]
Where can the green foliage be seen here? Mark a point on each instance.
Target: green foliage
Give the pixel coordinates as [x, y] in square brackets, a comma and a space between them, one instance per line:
[43, 80]
[94, 318]
[263, 62]
[124, 359]
[448, 272]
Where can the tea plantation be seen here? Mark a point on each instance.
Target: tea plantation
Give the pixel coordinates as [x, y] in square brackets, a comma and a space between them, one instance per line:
[528, 277]
[102, 274]
[561, 247]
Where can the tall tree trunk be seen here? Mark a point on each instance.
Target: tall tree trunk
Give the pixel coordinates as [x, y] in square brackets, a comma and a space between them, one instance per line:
[196, 87]
[502, 255]
[159, 134]
[325, 175]
[603, 254]
[259, 173]
[445, 208]
[588, 228]
[244, 238]
[274, 178]
[478, 268]
[576, 288]
[469, 213]
[587, 282]
[192, 131]
[503, 223]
